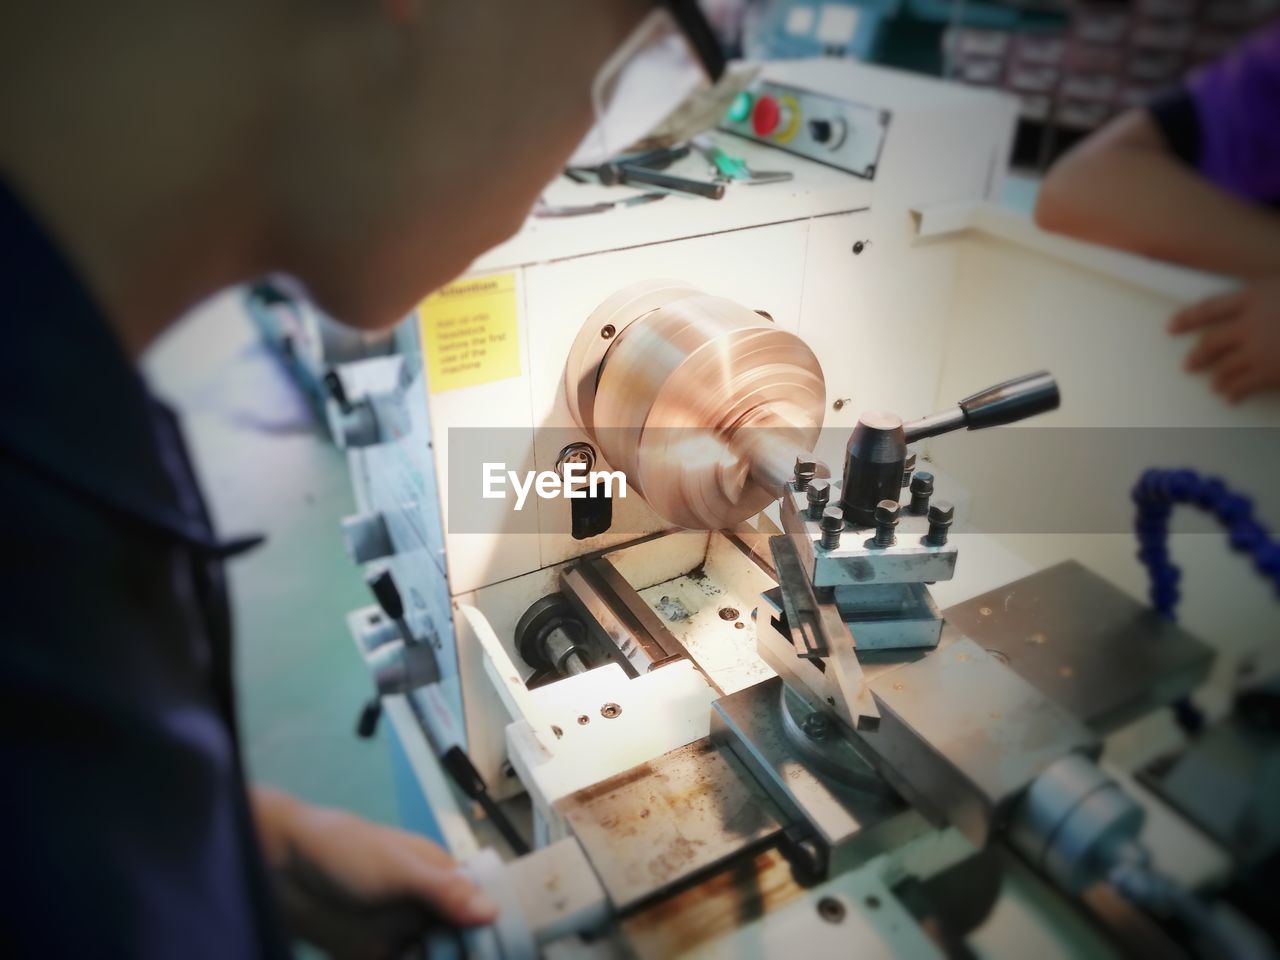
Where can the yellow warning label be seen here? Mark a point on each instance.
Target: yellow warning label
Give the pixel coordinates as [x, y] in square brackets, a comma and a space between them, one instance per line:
[470, 332]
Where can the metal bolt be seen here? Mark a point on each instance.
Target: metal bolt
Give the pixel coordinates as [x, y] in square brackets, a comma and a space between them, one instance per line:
[831, 910]
[941, 515]
[886, 522]
[610, 710]
[819, 494]
[562, 651]
[908, 468]
[806, 468]
[816, 726]
[921, 491]
[807, 860]
[832, 525]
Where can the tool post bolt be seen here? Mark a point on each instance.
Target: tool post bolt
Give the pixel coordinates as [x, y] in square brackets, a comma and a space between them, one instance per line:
[887, 512]
[806, 470]
[818, 493]
[816, 726]
[941, 515]
[832, 526]
[921, 491]
[908, 468]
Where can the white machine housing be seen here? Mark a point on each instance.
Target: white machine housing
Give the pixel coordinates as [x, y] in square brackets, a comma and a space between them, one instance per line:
[785, 248]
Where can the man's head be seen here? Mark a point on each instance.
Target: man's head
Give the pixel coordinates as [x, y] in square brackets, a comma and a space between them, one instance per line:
[408, 136]
[371, 148]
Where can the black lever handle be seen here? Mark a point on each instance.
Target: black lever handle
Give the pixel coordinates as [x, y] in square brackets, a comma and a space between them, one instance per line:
[1010, 401]
[1003, 403]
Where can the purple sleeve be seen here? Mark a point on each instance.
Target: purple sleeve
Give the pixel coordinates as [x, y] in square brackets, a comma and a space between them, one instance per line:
[1237, 103]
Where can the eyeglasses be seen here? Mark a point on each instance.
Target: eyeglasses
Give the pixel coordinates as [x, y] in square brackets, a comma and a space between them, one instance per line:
[697, 30]
[667, 70]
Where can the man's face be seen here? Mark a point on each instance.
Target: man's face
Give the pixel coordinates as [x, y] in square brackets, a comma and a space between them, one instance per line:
[435, 143]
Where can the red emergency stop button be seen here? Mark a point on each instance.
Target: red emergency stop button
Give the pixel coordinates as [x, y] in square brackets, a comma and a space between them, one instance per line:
[766, 116]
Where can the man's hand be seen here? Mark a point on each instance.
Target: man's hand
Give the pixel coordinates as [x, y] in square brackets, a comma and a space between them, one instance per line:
[1239, 338]
[357, 889]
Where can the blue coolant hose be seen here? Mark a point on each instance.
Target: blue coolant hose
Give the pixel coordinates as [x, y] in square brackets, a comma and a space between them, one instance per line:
[1156, 493]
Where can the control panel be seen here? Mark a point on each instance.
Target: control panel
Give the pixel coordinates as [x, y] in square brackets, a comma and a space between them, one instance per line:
[839, 133]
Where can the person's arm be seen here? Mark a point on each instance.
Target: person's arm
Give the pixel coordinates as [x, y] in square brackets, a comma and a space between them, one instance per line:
[1124, 188]
[354, 888]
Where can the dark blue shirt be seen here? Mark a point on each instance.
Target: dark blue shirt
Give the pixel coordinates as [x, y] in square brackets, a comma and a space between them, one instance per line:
[125, 829]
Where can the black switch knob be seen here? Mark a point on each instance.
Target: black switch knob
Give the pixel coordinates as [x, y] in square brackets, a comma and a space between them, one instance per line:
[820, 130]
[337, 390]
[385, 591]
[367, 722]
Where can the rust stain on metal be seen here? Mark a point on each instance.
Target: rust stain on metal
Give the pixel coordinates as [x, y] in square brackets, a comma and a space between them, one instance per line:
[661, 823]
[742, 892]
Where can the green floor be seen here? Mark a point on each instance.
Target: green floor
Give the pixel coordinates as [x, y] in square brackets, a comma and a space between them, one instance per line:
[265, 468]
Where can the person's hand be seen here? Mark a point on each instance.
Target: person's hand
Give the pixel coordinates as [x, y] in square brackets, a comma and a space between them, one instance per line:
[1239, 343]
[357, 889]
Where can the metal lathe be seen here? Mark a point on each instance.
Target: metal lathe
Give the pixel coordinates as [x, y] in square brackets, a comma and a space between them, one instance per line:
[798, 683]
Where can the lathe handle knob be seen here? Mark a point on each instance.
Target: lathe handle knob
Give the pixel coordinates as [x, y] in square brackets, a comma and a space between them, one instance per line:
[1011, 401]
[1006, 402]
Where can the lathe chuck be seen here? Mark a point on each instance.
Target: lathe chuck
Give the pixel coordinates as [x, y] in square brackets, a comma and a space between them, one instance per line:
[701, 402]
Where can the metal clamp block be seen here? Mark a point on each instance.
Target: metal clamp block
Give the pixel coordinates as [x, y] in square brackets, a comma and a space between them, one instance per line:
[858, 559]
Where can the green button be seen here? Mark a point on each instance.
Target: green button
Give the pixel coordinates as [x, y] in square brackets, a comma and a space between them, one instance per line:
[740, 109]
